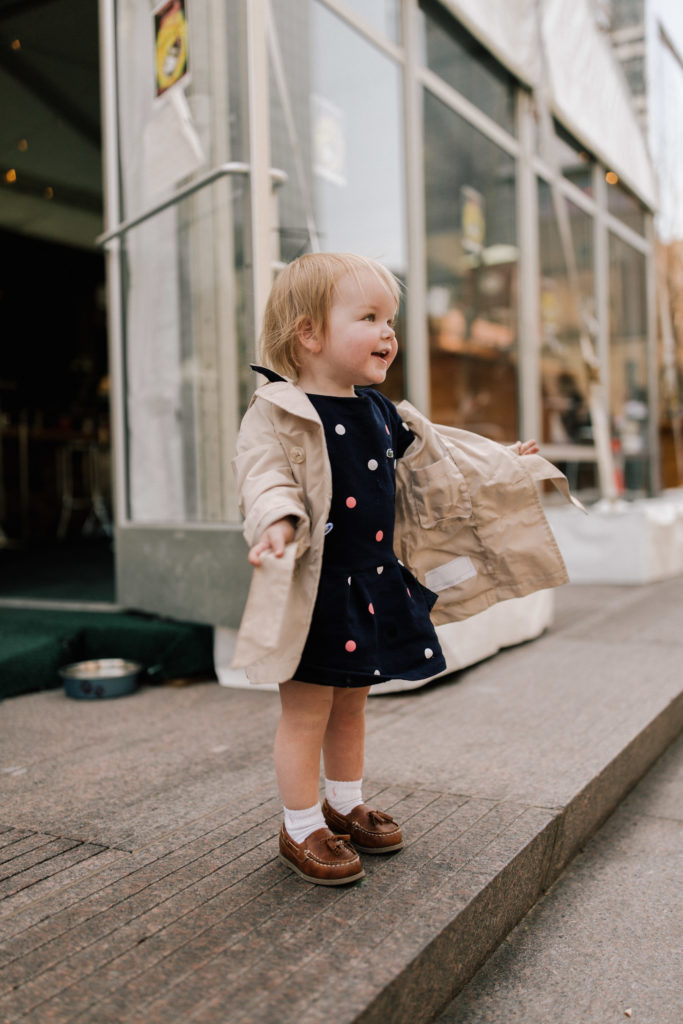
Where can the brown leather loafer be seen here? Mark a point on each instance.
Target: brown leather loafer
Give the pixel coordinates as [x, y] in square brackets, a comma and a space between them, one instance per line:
[323, 858]
[370, 831]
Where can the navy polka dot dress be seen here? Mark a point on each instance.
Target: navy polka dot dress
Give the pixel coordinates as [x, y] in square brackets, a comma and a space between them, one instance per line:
[371, 617]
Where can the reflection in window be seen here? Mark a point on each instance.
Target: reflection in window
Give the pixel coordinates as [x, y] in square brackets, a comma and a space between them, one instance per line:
[575, 163]
[628, 362]
[471, 274]
[564, 379]
[337, 130]
[453, 54]
[624, 205]
[383, 15]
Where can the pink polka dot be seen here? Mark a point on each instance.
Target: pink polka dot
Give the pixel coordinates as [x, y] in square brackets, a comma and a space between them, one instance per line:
[387, 429]
[371, 609]
[379, 535]
[350, 646]
[351, 503]
[409, 594]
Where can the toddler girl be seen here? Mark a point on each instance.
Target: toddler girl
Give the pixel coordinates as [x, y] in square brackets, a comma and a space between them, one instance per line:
[333, 482]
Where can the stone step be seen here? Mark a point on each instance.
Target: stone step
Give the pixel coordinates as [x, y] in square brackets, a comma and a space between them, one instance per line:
[173, 905]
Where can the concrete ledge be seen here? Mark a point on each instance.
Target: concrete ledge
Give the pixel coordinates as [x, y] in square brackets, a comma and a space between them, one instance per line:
[493, 905]
[138, 874]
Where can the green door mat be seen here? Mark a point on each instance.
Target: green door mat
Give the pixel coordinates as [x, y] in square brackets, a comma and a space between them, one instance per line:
[35, 644]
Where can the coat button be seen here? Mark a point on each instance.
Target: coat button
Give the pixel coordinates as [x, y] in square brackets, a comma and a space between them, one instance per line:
[297, 455]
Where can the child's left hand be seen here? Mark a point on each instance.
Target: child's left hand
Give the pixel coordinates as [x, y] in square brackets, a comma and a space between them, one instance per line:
[526, 447]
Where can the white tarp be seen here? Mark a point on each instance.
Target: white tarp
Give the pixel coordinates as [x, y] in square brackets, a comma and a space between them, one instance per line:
[588, 92]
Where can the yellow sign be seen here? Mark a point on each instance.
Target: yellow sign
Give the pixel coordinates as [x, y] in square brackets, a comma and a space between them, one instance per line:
[473, 219]
[170, 35]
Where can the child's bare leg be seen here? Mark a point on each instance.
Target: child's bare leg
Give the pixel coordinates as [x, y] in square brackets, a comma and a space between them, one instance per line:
[298, 741]
[343, 750]
[307, 845]
[344, 739]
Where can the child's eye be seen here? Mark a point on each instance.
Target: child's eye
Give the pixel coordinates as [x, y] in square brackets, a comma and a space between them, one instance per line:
[369, 316]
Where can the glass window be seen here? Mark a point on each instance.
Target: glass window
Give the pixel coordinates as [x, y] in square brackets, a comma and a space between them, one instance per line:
[624, 205]
[186, 298]
[628, 380]
[564, 380]
[471, 274]
[456, 56]
[339, 136]
[383, 15]
[575, 163]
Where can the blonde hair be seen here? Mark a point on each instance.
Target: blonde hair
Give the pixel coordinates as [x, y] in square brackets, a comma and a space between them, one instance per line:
[303, 292]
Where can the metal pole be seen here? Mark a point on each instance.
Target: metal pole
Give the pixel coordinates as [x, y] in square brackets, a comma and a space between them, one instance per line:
[417, 385]
[111, 188]
[259, 157]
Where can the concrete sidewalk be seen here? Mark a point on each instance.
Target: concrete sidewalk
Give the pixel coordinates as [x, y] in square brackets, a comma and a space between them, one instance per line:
[606, 943]
[138, 850]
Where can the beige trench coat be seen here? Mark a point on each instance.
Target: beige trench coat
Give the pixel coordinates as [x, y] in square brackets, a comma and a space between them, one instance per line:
[469, 522]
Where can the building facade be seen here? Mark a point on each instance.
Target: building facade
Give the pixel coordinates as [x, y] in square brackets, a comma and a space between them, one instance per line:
[491, 159]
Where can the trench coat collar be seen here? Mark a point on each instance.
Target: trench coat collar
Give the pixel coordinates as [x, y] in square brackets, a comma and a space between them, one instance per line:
[285, 394]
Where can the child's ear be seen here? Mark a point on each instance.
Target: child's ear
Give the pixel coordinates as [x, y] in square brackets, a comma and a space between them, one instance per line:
[308, 335]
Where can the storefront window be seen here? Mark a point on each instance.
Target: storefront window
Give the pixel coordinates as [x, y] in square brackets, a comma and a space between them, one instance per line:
[337, 130]
[452, 53]
[185, 307]
[471, 274]
[565, 416]
[629, 403]
[574, 161]
[383, 15]
[624, 205]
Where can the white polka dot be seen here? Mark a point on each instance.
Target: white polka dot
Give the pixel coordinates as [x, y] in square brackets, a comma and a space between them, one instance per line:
[340, 429]
[373, 464]
[400, 562]
[429, 653]
[349, 581]
[380, 570]
[377, 672]
[405, 425]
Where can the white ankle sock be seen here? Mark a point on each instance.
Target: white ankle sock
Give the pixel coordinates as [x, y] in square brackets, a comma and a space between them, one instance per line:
[344, 796]
[300, 824]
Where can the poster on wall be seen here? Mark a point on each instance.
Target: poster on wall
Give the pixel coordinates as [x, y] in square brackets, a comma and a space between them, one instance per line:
[473, 220]
[329, 141]
[170, 45]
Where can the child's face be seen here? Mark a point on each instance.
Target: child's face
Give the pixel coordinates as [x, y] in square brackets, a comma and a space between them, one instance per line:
[359, 344]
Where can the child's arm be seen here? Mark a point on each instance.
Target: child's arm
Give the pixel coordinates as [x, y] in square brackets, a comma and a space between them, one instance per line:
[269, 495]
[274, 539]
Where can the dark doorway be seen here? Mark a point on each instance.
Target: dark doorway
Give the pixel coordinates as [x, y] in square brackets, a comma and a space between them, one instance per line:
[55, 491]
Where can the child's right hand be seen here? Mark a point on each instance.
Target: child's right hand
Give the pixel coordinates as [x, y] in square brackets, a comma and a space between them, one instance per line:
[274, 539]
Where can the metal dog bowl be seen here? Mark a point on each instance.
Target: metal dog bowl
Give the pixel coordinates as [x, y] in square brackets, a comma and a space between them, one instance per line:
[102, 677]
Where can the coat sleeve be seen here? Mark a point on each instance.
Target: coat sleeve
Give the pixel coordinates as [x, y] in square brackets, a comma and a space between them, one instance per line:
[266, 486]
